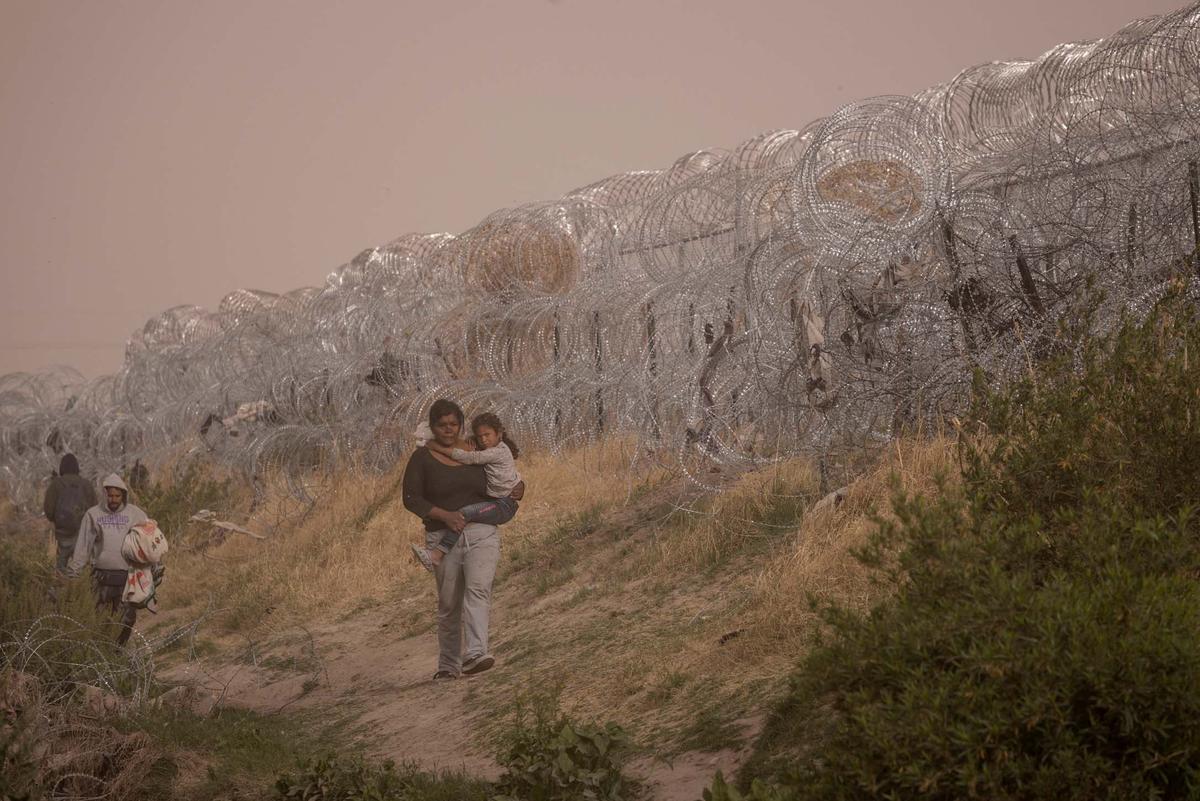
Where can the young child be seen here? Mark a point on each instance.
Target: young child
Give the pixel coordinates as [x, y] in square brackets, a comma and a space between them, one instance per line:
[497, 454]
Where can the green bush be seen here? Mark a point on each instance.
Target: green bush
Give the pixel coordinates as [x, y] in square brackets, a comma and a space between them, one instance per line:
[1041, 641]
[719, 790]
[1116, 420]
[1083, 688]
[329, 778]
[550, 758]
[334, 778]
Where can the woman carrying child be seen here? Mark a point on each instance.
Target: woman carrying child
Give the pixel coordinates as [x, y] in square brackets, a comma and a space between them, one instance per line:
[497, 453]
[435, 488]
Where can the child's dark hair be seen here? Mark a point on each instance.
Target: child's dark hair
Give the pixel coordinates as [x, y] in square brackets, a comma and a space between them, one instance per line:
[493, 422]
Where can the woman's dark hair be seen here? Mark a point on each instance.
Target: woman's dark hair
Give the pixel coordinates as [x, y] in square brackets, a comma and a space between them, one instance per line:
[442, 407]
[493, 422]
[69, 466]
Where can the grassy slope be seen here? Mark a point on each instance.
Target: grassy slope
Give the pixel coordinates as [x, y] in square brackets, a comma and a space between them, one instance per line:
[642, 599]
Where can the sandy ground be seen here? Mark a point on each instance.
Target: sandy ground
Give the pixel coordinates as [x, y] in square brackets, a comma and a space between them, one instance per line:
[382, 685]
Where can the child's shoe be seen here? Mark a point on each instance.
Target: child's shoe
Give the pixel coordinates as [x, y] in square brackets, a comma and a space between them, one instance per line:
[422, 556]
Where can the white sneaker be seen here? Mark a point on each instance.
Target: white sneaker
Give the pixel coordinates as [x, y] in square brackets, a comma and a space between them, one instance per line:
[422, 556]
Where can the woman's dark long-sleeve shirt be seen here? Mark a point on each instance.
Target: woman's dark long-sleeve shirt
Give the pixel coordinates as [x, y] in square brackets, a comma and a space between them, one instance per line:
[429, 483]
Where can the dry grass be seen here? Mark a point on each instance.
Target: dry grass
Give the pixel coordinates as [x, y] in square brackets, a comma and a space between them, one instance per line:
[67, 749]
[315, 561]
[700, 623]
[756, 507]
[349, 550]
[60, 690]
[687, 612]
[820, 563]
[673, 612]
[74, 709]
[687, 627]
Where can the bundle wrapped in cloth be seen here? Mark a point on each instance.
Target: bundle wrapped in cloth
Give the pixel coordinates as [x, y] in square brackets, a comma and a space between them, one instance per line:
[144, 548]
[423, 434]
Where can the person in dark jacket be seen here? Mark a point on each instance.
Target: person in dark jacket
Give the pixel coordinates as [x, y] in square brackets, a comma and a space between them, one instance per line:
[68, 497]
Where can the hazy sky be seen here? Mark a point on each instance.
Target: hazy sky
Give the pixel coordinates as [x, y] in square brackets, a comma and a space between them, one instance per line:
[156, 153]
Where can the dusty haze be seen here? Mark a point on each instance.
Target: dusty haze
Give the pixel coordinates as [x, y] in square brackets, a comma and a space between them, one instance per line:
[160, 153]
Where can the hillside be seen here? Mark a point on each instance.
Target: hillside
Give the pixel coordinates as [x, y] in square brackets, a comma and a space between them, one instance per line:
[645, 601]
[670, 609]
[1017, 622]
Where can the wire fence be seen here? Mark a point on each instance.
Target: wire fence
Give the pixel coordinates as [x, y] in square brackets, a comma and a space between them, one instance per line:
[806, 291]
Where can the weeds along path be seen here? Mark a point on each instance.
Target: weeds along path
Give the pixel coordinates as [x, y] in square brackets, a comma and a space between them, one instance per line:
[359, 671]
[377, 682]
[380, 688]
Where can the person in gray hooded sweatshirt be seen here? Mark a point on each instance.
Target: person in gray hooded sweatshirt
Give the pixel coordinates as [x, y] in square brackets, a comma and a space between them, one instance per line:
[101, 533]
[68, 497]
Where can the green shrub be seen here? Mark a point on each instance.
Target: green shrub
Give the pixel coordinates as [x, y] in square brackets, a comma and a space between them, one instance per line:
[329, 778]
[550, 758]
[719, 790]
[1082, 688]
[339, 778]
[1041, 641]
[1117, 418]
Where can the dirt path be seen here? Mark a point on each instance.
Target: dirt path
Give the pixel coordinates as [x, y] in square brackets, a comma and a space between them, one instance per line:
[381, 684]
